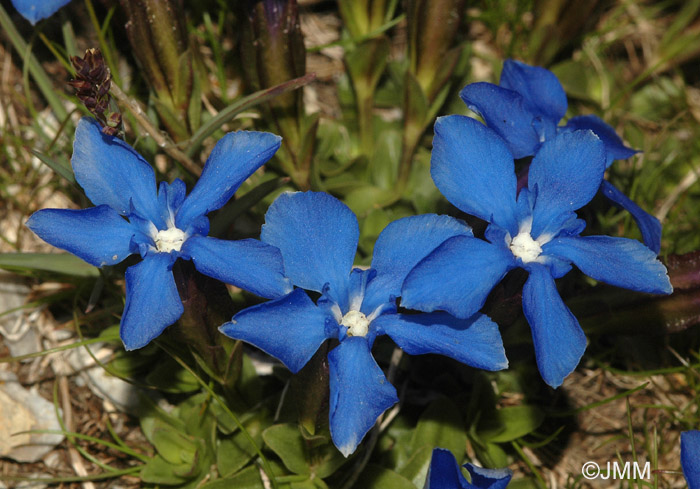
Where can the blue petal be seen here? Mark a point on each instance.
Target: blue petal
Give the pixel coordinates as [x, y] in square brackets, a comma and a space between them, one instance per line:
[360, 393]
[248, 264]
[564, 176]
[617, 261]
[474, 170]
[112, 173]
[234, 158]
[35, 10]
[489, 478]
[690, 458]
[399, 248]
[540, 88]
[152, 300]
[170, 198]
[444, 472]
[649, 226]
[456, 277]
[290, 328]
[98, 235]
[614, 147]
[504, 111]
[317, 235]
[559, 340]
[474, 341]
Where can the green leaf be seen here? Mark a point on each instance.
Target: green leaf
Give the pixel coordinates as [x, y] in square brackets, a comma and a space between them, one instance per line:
[286, 441]
[325, 460]
[509, 423]
[235, 451]
[167, 376]
[422, 192]
[491, 455]
[523, 483]
[245, 479]
[367, 62]
[335, 145]
[384, 162]
[415, 105]
[307, 484]
[370, 228]
[175, 447]
[159, 471]
[59, 166]
[441, 425]
[364, 199]
[231, 456]
[156, 418]
[63, 263]
[416, 467]
[377, 476]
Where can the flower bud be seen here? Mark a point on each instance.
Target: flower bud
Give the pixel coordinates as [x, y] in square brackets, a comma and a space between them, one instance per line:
[433, 27]
[272, 51]
[92, 82]
[158, 37]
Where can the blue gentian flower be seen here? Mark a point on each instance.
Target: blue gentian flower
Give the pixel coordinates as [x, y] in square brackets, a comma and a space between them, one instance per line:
[35, 10]
[536, 230]
[690, 458]
[525, 110]
[444, 473]
[161, 226]
[317, 235]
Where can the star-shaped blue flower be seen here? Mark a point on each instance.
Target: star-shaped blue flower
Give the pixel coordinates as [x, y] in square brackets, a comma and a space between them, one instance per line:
[131, 217]
[525, 110]
[317, 235]
[690, 458]
[444, 473]
[536, 230]
[35, 10]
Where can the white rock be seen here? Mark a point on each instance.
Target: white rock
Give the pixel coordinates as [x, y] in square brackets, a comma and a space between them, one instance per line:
[121, 394]
[20, 336]
[23, 410]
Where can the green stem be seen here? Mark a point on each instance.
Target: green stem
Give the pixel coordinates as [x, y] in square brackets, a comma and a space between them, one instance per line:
[365, 119]
[408, 149]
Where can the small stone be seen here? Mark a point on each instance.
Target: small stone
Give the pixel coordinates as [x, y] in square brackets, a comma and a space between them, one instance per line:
[17, 328]
[25, 410]
[121, 394]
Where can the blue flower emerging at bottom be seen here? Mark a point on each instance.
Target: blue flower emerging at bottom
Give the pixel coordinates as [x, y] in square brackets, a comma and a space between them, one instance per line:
[317, 236]
[444, 473]
[690, 458]
[130, 217]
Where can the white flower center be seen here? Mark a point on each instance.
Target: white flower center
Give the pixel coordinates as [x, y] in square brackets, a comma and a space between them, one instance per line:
[356, 322]
[169, 240]
[525, 248]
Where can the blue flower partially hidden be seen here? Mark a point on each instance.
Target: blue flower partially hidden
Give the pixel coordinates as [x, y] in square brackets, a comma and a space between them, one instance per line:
[35, 10]
[445, 473]
[317, 235]
[537, 230]
[525, 110]
[131, 217]
[690, 458]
